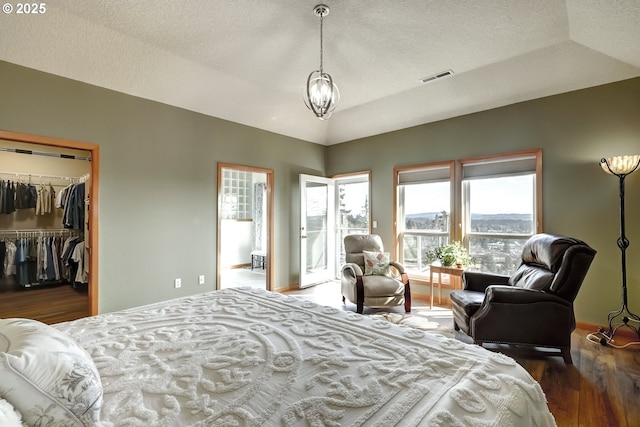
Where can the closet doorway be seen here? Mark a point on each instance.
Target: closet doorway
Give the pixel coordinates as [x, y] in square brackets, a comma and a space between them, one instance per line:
[245, 226]
[40, 284]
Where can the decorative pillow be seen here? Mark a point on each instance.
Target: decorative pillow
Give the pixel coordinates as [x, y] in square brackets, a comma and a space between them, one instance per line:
[47, 376]
[9, 417]
[376, 263]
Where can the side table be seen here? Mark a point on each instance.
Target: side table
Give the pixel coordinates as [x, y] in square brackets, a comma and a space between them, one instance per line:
[455, 279]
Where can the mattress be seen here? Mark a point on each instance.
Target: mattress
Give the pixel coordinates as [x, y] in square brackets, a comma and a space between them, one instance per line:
[247, 357]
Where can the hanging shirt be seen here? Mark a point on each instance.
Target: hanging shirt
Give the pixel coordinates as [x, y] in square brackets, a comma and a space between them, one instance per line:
[10, 259]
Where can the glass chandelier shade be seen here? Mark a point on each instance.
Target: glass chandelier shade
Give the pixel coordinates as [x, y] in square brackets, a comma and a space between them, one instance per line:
[620, 165]
[321, 94]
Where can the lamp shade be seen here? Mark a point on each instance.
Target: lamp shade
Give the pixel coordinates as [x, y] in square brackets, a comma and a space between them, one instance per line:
[620, 165]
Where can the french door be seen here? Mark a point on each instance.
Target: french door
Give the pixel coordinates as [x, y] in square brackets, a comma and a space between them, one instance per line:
[317, 230]
[330, 209]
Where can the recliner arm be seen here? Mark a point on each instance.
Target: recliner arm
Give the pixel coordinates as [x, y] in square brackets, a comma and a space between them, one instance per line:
[398, 267]
[352, 269]
[513, 295]
[523, 316]
[479, 282]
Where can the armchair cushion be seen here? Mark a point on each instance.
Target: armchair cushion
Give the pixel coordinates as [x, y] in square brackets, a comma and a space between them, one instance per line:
[376, 263]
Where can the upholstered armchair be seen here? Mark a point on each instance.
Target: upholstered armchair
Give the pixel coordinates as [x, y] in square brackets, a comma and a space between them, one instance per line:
[368, 277]
[533, 306]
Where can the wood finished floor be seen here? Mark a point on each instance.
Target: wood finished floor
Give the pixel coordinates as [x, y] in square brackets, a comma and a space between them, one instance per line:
[600, 389]
[48, 304]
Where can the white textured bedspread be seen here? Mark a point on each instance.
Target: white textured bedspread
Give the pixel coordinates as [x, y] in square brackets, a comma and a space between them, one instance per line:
[241, 357]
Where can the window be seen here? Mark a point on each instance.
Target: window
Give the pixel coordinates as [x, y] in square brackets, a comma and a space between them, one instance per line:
[352, 210]
[499, 210]
[236, 194]
[494, 204]
[424, 220]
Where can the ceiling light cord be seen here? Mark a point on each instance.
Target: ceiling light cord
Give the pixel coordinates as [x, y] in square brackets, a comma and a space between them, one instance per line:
[321, 44]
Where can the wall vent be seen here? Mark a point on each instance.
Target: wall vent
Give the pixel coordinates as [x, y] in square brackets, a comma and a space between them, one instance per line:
[436, 76]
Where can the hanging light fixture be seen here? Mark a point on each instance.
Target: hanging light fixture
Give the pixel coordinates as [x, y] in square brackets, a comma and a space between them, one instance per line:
[322, 94]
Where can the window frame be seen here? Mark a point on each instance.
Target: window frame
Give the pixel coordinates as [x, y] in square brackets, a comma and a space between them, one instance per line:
[459, 200]
[349, 178]
[399, 231]
[465, 224]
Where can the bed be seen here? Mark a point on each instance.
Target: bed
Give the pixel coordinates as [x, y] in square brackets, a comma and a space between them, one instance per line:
[247, 357]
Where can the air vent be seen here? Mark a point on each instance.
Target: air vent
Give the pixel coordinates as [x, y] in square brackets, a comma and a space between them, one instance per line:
[436, 76]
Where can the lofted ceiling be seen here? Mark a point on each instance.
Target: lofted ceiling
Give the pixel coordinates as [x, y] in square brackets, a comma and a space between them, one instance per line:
[247, 60]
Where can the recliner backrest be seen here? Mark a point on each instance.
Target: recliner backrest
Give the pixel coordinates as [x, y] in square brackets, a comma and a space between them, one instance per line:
[555, 264]
[354, 244]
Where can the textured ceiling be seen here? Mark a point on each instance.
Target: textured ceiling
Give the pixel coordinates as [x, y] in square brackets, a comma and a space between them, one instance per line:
[247, 60]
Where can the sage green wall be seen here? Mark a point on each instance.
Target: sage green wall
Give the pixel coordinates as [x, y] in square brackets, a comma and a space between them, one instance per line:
[158, 185]
[574, 130]
[158, 181]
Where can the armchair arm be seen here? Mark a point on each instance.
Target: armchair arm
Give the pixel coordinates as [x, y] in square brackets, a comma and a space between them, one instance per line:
[398, 267]
[511, 295]
[523, 316]
[479, 282]
[352, 269]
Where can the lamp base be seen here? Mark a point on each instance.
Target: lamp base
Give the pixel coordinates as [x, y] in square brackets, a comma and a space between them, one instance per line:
[622, 318]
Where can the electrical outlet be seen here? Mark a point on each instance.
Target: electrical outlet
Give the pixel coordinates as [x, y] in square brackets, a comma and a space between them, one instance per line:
[177, 283]
[201, 279]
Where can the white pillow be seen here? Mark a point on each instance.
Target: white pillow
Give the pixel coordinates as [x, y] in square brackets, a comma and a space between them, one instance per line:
[376, 263]
[47, 376]
[9, 417]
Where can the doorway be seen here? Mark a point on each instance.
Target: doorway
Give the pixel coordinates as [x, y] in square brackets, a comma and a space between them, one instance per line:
[40, 146]
[330, 208]
[245, 226]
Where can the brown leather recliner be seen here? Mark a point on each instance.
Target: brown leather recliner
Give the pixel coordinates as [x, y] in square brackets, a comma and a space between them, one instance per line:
[533, 306]
[373, 290]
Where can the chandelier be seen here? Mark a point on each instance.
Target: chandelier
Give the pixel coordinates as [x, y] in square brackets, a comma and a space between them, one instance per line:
[321, 94]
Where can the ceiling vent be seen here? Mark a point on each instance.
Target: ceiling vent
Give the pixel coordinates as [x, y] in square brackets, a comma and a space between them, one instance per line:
[436, 76]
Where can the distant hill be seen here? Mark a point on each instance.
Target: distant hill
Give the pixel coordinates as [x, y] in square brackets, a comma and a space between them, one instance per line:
[503, 217]
[477, 217]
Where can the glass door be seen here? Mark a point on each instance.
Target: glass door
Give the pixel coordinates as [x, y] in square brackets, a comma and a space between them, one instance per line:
[352, 211]
[317, 230]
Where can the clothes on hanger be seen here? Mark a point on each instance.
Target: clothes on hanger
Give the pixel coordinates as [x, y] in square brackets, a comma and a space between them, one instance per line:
[45, 260]
[18, 195]
[45, 200]
[7, 197]
[76, 260]
[72, 200]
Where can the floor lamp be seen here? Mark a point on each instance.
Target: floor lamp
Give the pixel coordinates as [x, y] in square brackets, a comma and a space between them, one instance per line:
[622, 166]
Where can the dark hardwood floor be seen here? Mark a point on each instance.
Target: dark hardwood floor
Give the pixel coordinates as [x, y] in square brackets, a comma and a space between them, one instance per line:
[601, 388]
[48, 304]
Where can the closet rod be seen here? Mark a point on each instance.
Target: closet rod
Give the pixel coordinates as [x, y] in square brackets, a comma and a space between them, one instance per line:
[33, 175]
[44, 153]
[40, 230]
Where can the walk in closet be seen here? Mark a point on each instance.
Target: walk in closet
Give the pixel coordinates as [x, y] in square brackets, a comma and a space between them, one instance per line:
[44, 223]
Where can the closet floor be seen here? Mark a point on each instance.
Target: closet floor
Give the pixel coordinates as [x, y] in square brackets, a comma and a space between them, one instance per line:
[48, 304]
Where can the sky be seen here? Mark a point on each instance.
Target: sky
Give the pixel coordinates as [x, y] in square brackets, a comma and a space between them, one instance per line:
[488, 196]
